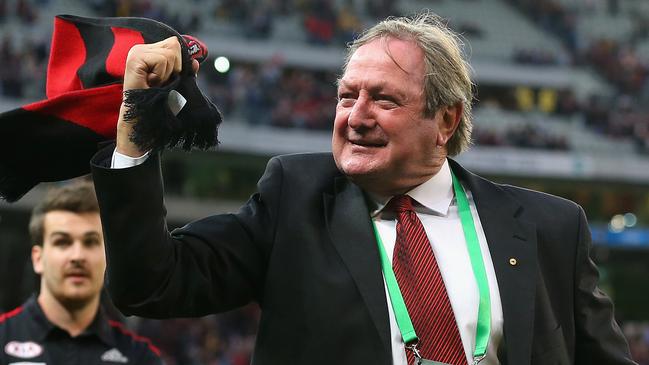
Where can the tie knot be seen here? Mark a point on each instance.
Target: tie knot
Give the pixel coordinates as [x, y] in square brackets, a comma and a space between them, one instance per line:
[401, 204]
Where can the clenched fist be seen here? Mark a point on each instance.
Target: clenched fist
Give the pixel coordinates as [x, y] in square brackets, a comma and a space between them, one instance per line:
[147, 65]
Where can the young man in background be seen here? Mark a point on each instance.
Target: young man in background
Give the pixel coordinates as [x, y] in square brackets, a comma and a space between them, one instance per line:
[65, 323]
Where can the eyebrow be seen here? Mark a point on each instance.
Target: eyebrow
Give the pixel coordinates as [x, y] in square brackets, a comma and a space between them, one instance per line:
[376, 86]
[379, 87]
[66, 234]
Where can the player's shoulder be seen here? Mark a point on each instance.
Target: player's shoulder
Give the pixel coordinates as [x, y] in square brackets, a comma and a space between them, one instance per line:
[10, 321]
[11, 315]
[12, 327]
[133, 345]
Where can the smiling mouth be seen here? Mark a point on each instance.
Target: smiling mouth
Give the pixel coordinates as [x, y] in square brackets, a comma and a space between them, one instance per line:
[368, 144]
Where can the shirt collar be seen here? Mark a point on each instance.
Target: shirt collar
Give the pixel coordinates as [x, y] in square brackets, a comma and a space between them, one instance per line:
[101, 328]
[434, 195]
[41, 326]
[36, 321]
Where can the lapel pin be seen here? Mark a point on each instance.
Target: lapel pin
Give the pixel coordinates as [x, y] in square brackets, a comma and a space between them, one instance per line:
[513, 261]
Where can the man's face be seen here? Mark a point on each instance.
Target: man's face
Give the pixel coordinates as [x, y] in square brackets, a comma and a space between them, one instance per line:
[71, 261]
[381, 139]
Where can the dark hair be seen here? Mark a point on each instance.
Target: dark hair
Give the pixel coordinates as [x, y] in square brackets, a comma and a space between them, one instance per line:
[78, 197]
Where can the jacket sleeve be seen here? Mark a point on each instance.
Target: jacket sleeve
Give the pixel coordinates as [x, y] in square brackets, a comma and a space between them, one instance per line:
[210, 265]
[599, 339]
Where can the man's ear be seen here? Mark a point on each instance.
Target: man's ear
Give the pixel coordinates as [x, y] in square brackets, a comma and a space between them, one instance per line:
[37, 259]
[448, 122]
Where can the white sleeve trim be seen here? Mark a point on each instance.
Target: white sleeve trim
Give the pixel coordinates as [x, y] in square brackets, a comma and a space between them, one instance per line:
[120, 161]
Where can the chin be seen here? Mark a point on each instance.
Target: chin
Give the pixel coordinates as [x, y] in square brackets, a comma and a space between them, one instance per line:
[364, 175]
[76, 299]
[359, 166]
[361, 176]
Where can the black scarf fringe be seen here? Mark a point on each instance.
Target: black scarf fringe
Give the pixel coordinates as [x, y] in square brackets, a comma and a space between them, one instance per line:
[156, 127]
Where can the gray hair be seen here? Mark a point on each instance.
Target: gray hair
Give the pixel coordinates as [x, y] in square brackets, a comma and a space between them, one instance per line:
[447, 81]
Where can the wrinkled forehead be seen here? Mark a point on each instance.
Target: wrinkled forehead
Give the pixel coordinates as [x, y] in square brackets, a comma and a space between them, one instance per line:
[404, 54]
[386, 61]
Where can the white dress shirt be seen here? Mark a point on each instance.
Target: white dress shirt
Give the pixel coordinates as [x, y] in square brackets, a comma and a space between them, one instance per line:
[438, 212]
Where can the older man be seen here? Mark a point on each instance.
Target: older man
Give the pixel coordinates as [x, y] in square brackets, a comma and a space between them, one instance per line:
[384, 252]
[65, 323]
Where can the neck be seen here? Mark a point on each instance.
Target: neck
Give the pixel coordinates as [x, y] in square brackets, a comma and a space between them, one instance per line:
[72, 318]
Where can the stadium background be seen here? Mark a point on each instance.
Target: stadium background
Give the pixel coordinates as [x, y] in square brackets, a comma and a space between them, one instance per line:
[561, 106]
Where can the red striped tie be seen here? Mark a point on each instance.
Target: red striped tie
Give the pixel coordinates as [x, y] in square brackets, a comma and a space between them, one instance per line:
[423, 289]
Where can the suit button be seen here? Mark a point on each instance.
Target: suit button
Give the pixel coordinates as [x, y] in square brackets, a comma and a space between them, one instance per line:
[513, 261]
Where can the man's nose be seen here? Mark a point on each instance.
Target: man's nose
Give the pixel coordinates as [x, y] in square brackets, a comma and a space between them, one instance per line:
[361, 116]
[77, 251]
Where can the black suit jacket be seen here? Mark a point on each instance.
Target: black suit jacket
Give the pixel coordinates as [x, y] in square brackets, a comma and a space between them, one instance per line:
[304, 249]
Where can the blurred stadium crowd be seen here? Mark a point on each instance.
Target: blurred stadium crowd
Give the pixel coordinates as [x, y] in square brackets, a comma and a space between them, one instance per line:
[274, 93]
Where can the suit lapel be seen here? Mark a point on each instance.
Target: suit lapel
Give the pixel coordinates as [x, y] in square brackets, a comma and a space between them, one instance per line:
[350, 228]
[508, 237]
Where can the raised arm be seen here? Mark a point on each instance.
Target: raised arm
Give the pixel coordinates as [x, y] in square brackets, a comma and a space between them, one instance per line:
[214, 264]
[147, 65]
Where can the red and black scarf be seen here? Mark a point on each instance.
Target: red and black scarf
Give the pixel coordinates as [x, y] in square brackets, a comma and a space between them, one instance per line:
[54, 139]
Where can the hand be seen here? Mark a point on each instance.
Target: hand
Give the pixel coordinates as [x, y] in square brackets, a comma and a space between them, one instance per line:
[147, 65]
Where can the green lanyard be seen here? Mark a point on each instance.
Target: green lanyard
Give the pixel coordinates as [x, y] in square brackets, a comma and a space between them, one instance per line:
[483, 327]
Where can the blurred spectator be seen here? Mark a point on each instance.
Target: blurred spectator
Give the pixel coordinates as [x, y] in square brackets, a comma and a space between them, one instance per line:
[319, 22]
[522, 136]
[260, 22]
[3, 11]
[619, 63]
[537, 57]
[640, 30]
[25, 11]
[617, 60]
[596, 113]
[553, 17]
[381, 9]
[567, 103]
[22, 74]
[216, 339]
[104, 7]
[348, 24]
[235, 11]
[273, 94]
[123, 8]
[528, 136]
[11, 70]
[613, 7]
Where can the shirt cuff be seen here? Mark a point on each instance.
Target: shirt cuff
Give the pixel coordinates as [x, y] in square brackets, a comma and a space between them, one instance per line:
[120, 161]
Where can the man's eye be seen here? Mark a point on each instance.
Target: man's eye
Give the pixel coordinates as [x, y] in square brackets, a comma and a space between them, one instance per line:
[382, 97]
[61, 242]
[387, 103]
[93, 241]
[346, 101]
